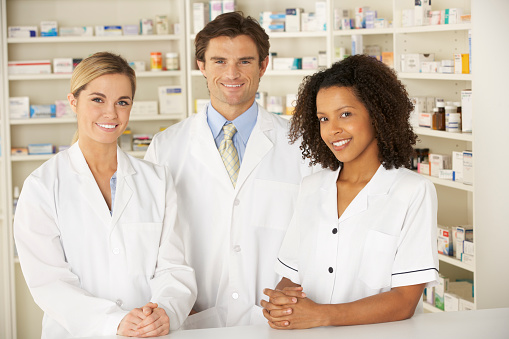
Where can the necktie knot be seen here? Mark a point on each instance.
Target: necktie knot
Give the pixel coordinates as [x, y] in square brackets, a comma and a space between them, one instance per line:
[229, 130]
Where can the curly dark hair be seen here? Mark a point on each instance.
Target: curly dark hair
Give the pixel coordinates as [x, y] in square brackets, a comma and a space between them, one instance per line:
[384, 96]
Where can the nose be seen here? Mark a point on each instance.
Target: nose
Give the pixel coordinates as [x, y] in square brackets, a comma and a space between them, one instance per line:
[111, 111]
[336, 127]
[232, 71]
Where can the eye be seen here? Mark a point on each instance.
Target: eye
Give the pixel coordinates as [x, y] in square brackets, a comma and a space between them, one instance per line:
[322, 119]
[97, 99]
[345, 114]
[123, 103]
[245, 62]
[220, 62]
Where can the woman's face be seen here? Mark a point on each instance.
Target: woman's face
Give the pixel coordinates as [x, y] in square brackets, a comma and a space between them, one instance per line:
[345, 125]
[103, 108]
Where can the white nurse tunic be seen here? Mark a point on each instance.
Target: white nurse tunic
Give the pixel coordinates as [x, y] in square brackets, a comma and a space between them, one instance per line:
[385, 238]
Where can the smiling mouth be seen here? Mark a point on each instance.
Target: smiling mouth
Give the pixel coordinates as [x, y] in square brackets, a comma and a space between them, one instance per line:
[232, 86]
[341, 142]
[109, 126]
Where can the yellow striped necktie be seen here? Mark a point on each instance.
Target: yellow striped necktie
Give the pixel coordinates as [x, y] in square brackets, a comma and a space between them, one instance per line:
[229, 153]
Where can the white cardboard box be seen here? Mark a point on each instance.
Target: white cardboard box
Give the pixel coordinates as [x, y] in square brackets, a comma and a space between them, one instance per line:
[468, 169]
[29, 67]
[144, 108]
[293, 19]
[19, 107]
[171, 100]
[466, 111]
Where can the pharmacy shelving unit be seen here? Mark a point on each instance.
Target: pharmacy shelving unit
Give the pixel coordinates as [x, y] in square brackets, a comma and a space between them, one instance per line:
[285, 44]
[46, 88]
[456, 200]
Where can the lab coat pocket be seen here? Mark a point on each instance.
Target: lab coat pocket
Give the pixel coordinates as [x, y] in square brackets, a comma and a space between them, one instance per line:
[273, 203]
[142, 247]
[377, 259]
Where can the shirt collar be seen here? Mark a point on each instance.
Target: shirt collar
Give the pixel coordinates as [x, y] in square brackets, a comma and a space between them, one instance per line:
[244, 123]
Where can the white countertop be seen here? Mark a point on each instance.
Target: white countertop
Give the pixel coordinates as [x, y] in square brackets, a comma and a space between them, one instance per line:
[491, 323]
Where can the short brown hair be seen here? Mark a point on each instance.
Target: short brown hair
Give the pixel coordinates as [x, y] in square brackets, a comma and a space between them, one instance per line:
[232, 24]
[384, 96]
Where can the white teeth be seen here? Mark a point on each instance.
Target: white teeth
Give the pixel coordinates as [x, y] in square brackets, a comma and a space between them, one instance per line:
[341, 143]
[107, 126]
[231, 85]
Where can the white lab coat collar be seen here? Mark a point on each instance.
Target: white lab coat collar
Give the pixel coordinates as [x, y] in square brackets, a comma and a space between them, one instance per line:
[90, 189]
[379, 184]
[204, 148]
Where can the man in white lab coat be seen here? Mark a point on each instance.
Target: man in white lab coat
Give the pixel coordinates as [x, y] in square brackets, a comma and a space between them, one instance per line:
[234, 212]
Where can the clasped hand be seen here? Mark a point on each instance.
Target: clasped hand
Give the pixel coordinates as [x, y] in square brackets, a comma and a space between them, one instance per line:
[147, 321]
[291, 309]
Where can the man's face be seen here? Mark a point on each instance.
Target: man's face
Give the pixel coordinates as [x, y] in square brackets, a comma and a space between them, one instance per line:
[233, 73]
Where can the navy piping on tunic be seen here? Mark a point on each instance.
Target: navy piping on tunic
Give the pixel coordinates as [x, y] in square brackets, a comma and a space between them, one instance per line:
[426, 269]
[287, 265]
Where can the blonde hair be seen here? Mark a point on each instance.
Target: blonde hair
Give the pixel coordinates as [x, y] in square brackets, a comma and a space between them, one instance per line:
[96, 65]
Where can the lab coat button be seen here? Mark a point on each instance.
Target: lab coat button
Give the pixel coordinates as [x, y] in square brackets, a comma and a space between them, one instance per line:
[331, 270]
[119, 303]
[116, 250]
[235, 295]
[236, 202]
[237, 248]
[334, 230]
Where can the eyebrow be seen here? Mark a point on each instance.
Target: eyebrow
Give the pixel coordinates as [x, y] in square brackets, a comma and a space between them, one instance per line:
[337, 109]
[104, 96]
[241, 59]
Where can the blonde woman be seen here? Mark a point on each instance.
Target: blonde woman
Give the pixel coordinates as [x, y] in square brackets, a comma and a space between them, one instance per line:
[95, 227]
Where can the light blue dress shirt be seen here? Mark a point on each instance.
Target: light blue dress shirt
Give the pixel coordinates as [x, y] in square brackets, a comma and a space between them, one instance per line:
[113, 188]
[244, 125]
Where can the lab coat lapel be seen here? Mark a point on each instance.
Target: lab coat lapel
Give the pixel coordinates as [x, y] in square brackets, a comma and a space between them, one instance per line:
[257, 146]
[88, 186]
[125, 185]
[203, 148]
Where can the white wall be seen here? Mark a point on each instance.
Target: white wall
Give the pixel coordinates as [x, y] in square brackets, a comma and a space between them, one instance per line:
[491, 124]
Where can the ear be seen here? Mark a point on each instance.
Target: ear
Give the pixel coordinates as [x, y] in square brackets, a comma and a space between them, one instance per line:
[73, 102]
[263, 66]
[201, 67]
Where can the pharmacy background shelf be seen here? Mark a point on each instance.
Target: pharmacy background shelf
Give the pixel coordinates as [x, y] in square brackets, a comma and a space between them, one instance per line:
[121, 38]
[443, 134]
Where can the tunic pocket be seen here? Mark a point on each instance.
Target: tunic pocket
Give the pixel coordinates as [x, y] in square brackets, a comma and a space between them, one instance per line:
[377, 259]
[142, 247]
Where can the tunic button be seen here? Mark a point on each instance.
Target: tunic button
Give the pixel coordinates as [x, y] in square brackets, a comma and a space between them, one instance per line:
[119, 303]
[237, 248]
[116, 250]
[236, 202]
[334, 230]
[235, 295]
[331, 270]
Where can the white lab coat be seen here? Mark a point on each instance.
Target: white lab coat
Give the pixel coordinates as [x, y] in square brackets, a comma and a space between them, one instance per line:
[87, 269]
[232, 235]
[387, 237]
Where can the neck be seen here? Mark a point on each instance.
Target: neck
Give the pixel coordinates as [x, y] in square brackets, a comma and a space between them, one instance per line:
[230, 112]
[101, 158]
[363, 168]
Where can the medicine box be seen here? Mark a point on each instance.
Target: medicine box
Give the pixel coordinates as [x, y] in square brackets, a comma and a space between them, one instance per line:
[19, 107]
[63, 109]
[357, 44]
[309, 23]
[228, 6]
[309, 63]
[466, 305]
[216, 8]
[388, 58]
[321, 15]
[261, 99]
[468, 259]
[275, 104]
[171, 100]
[22, 31]
[466, 111]
[339, 15]
[444, 242]
[144, 108]
[423, 168]
[461, 64]
[443, 284]
[49, 28]
[76, 31]
[43, 111]
[29, 67]
[407, 17]
[370, 19]
[131, 29]
[19, 150]
[293, 19]
[422, 10]
[63, 65]
[419, 107]
[146, 27]
[40, 149]
[200, 15]
[468, 247]
[108, 30]
[411, 63]
[451, 302]
[429, 292]
[438, 162]
[286, 63]
[468, 170]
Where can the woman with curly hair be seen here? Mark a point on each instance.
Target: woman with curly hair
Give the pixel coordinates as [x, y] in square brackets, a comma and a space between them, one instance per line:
[361, 246]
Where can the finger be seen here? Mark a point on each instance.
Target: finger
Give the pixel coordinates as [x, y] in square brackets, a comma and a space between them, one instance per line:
[161, 330]
[269, 307]
[280, 313]
[148, 320]
[294, 292]
[281, 324]
[147, 310]
[273, 319]
[292, 288]
[280, 301]
[149, 328]
[152, 305]
[272, 293]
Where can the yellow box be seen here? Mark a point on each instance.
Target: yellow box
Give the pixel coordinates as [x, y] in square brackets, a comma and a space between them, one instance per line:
[461, 64]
